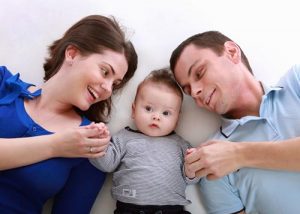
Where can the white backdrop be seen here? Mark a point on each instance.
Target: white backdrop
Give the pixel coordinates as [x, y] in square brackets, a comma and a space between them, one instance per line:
[268, 32]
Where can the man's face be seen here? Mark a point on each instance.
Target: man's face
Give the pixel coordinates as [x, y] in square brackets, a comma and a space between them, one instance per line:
[213, 81]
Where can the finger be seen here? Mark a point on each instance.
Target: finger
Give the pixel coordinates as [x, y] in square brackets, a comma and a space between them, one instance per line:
[105, 130]
[195, 166]
[97, 142]
[96, 155]
[202, 173]
[98, 149]
[91, 125]
[90, 132]
[105, 134]
[101, 126]
[192, 157]
[212, 177]
[190, 150]
[189, 173]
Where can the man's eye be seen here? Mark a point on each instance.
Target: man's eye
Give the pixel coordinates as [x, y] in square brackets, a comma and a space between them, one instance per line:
[198, 75]
[148, 108]
[166, 113]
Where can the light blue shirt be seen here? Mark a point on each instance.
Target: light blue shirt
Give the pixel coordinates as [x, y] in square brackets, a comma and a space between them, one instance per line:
[256, 190]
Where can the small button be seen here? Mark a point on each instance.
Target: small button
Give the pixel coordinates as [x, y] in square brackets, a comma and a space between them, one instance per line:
[34, 128]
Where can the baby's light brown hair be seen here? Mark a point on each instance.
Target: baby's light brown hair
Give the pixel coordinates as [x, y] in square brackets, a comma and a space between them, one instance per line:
[164, 77]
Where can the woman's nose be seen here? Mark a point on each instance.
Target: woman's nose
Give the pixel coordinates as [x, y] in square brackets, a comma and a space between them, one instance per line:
[107, 86]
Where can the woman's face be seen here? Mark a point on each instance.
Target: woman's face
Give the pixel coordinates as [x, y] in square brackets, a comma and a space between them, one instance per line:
[95, 76]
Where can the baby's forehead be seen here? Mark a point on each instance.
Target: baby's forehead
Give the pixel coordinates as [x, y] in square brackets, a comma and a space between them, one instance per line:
[148, 84]
[155, 92]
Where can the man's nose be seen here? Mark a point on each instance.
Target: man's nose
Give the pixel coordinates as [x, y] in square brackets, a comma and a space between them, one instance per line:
[196, 91]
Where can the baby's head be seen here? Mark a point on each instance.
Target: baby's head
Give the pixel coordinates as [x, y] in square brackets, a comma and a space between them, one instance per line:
[157, 104]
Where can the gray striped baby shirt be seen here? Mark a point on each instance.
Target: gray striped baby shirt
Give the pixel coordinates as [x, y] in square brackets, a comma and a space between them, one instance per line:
[147, 170]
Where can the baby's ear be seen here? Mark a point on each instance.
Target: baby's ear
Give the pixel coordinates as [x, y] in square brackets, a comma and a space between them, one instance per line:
[132, 110]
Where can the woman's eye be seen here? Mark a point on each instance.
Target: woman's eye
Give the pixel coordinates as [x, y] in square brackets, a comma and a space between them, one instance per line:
[166, 113]
[117, 84]
[148, 108]
[104, 71]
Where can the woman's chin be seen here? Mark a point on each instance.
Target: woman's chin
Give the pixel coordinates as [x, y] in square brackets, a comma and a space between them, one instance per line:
[84, 107]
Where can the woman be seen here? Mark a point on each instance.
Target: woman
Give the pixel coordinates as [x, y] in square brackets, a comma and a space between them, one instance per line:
[42, 128]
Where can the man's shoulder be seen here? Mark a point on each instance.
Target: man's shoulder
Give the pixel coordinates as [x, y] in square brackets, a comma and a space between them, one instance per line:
[291, 79]
[293, 71]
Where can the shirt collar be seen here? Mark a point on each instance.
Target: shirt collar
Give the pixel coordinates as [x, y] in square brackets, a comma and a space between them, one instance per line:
[229, 125]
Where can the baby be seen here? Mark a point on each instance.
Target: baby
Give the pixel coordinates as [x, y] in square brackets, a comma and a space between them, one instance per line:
[147, 161]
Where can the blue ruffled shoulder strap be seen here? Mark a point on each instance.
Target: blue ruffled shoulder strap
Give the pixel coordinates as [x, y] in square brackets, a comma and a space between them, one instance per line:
[14, 87]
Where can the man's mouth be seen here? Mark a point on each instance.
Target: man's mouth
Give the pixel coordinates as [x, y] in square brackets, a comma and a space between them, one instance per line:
[208, 99]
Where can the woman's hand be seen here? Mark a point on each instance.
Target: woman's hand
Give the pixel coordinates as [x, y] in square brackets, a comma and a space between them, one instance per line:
[88, 141]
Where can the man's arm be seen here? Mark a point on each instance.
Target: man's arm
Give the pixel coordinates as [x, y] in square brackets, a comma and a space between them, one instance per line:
[215, 158]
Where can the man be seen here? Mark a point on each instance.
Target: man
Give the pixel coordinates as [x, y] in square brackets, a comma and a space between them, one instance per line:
[256, 154]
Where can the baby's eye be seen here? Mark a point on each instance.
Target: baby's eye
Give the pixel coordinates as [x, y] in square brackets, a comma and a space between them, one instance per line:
[166, 113]
[148, 108]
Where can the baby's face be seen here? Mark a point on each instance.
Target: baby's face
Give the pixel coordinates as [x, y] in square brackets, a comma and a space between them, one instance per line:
[156, 110]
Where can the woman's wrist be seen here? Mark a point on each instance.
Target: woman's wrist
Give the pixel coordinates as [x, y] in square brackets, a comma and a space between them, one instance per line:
[52, 146]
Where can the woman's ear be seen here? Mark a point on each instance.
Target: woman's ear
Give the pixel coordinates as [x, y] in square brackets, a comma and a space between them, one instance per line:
[233, 51]
[70, 54]
[132, 110]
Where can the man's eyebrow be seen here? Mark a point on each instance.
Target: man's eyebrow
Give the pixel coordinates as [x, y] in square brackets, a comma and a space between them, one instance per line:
[192, 66]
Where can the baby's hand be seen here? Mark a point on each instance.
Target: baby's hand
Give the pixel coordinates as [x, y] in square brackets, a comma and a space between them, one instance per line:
[102, 128]
[187, 167]
[190, 150]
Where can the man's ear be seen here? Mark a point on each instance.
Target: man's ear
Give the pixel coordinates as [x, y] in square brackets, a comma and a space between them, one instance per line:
[233, 51]
[70, 53]
[132, 110]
